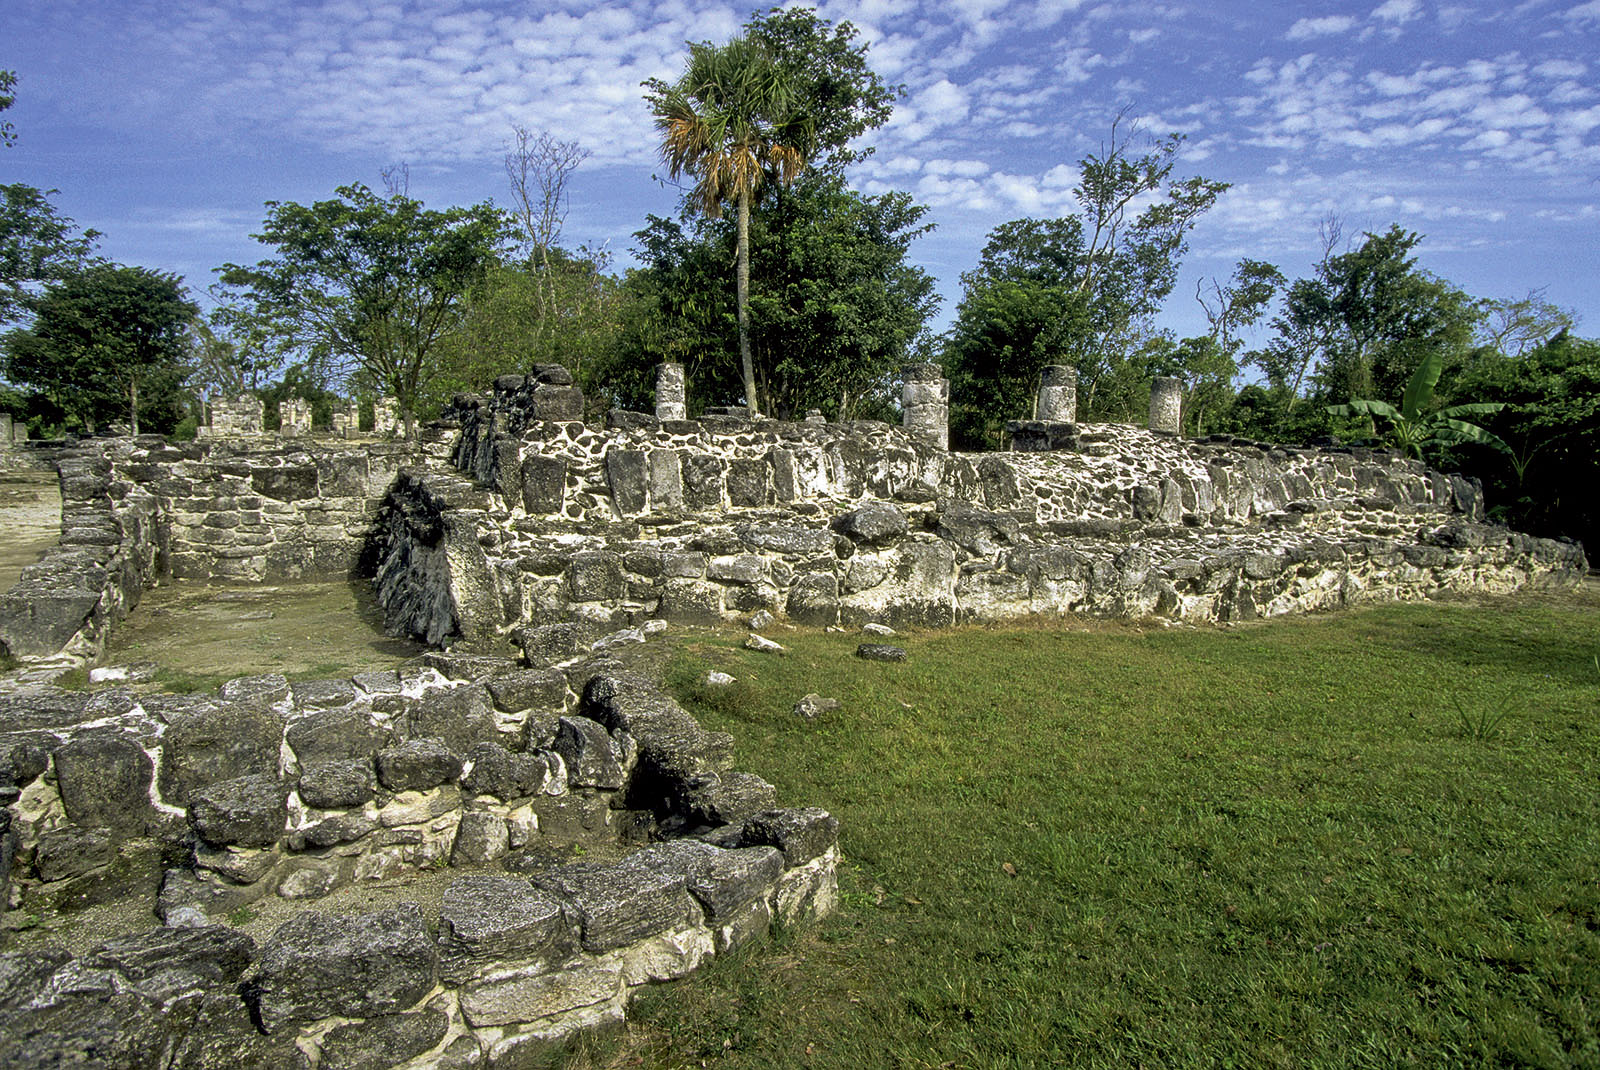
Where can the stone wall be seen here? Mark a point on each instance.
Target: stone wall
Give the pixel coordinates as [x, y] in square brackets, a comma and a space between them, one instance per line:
[142, 509]
[68, 601]
[202, 805]
[554, 520]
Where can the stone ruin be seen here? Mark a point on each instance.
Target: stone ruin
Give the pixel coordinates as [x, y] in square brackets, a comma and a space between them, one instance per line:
[513, 524]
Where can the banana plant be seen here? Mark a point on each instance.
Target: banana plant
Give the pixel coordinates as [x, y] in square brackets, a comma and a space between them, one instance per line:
[1413, 428]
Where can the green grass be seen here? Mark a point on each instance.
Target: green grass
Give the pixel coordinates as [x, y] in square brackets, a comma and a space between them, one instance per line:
[1369, 839]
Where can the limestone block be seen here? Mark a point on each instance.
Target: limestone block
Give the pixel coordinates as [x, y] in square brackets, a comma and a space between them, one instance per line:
[666, 480]
[538, 996]
[1166, 405]
[702, 480]
[749, 482]
[873, 523]
[814, 599]
[337, 734]
[385, 1041]
[807, 893]
[670, 392]
[457, 716]
[206, 742]
[104, 779]
[544, 481]
[323, 694]
[248, 811]
[663, 958]
[544, 689]
[480, 837]
[737, 569]
[318, 966]
[794, 540]
[595, 576]
[628, 478]
[505, 774]
[591, 756]
[417, 765]
[800, 834]
[487, 921]
[577, 818]
[338, 784]
[620, 904]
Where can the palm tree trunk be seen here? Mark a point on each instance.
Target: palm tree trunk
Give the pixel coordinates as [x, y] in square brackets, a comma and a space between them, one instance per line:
[742, 291]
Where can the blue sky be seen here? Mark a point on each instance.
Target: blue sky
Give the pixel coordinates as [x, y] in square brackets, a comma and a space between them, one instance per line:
[1476, 123]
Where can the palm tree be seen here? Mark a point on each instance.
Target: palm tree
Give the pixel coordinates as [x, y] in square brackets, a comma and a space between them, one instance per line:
[734, 121]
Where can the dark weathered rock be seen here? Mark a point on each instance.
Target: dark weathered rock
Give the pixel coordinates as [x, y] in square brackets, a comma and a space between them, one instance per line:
[616, 905]
[791, 539]
[323, 694]
[339, 784]
[977, 531]
[800, 834]
[259, 692]
[749, 482]
[590, 755]
[480, 837]
[547, 644]
[814, 599]
[165, 963]
[386, 1041]
[627, 474]
[335, 735]
[89, 1026]
[596, 576]
[417, 765]
[505, 774]
[224, 1037]
[72, 851]
[354, 966]
[573, 819]
[728, 798]
[544, 689]
[208, 742]
[880, 652]
[104, 778]
[458, 716]
[248, 811]
[486, 921]
[874, 523]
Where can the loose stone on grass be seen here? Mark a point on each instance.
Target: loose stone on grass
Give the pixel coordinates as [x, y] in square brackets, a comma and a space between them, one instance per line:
[880, 652]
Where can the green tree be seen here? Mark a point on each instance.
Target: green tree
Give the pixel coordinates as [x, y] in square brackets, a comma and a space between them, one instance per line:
[1080, 290]
[108, 341]
[834, 312]
[1365, 322]
[8, 97]
[366, 286]
[38, 245]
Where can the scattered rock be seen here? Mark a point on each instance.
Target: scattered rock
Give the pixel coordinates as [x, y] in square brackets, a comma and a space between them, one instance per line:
[761, 619]
[719, 679]
[762, 643]
[873, 628]
[813, 704]
[880, 652]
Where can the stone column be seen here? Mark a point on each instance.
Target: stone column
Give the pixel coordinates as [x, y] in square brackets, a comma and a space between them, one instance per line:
[294, 416]
[5, 430]
[1058, 394]
[926, 400]
[385, 416]
[1166, 405]
[670, 396]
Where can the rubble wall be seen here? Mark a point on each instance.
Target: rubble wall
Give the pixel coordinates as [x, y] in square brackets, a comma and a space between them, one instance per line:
[201, 805]
[843, 524]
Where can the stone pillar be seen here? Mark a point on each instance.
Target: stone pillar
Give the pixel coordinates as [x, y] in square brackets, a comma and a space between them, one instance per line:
[814, 416]
[341, 423]
[670, 397]
[294, 416]
[1166, 405]
[5, 430]
[1058, 394]
[385, 416]
[926, 400]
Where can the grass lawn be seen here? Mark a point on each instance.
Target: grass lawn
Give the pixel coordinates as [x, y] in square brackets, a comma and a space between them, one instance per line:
[1364, 839]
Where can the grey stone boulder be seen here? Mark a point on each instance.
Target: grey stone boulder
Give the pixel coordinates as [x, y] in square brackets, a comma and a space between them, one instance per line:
[616, 905]
[978, 531]
[728, 798]
[880, 652]
[480, 837]
[387, 1041]
[258, 692]
[248, 811]
[223, 1037]
[789, 539]
[338, 785]
[351, 966]
[208, 742]
[104, 779]
[335, 734]
[543, 689]
[166, 963]
[417, 765]
[72, 850]
[459, 716]
[323, 694]
[874, 523]
[92, 1025]
[506, 774]
[725, 881]
[801, 834]
[487, 921]
[590, 755]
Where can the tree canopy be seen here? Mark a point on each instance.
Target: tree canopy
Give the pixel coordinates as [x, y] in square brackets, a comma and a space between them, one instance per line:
[367, 285]
[106, 342]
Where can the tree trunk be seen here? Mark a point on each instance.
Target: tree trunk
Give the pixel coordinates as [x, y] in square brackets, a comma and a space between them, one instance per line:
[133, 406]
[742, 292]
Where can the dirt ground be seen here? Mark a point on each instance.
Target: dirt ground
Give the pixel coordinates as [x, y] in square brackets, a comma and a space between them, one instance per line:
[30, 520]
[201, 634]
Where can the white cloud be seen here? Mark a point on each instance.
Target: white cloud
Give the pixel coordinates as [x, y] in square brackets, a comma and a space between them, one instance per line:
[1398, 11]
[1323, 26]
